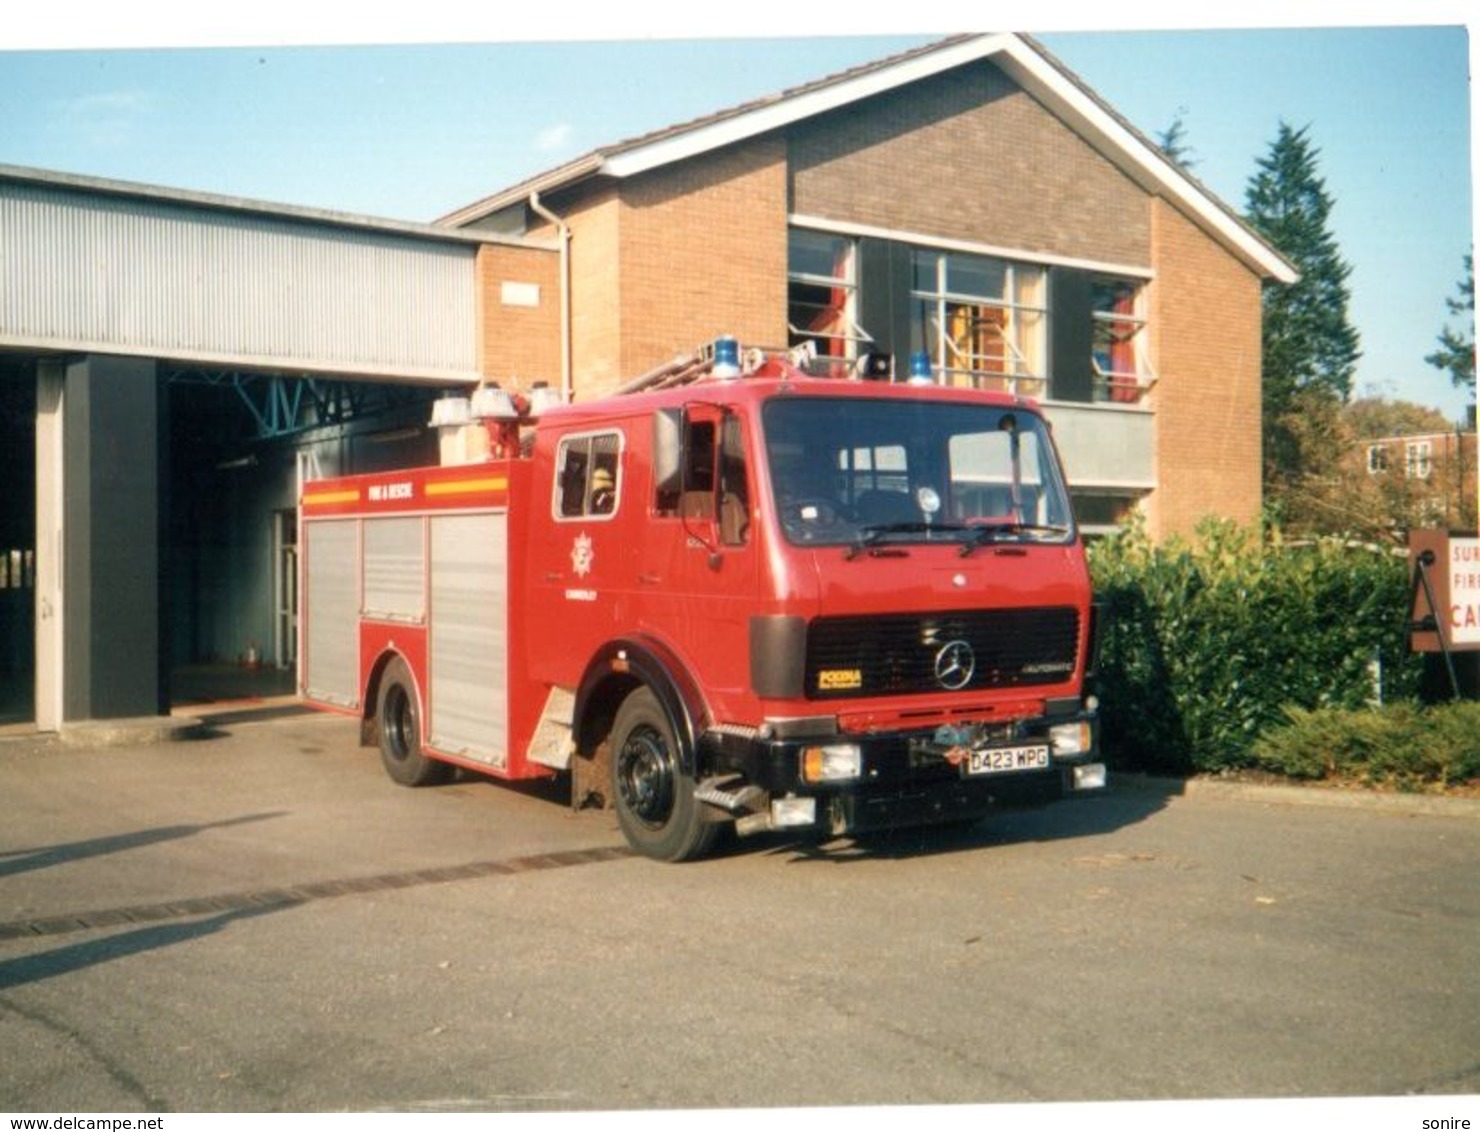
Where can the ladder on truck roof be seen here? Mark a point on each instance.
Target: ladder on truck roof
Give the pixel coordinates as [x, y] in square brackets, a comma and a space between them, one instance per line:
[699, 363]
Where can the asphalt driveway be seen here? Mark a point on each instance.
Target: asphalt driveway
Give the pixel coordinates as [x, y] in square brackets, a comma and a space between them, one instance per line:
[259, 920]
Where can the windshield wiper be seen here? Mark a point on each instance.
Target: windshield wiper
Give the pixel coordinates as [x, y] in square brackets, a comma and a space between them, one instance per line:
[874, 533]
[980, 536]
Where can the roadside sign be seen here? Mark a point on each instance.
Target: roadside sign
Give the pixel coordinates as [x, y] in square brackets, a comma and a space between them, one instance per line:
[1464, 593]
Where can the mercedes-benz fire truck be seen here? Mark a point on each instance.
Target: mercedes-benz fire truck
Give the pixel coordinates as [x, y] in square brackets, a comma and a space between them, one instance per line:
[733, 592]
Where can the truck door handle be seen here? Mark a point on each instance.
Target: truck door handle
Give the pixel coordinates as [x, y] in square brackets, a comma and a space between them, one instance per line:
[649, 579]
[554, 576]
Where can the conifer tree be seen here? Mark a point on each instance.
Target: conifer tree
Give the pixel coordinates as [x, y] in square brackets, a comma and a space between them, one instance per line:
[1456, 352]
[1308, 339]
[1310, 347]
[1172, 141]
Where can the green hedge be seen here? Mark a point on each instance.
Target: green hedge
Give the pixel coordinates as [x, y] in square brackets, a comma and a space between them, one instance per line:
[1403, 745]
[1210, 642]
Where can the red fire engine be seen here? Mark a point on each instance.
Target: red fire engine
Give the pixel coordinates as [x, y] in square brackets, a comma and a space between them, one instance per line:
[734, 592]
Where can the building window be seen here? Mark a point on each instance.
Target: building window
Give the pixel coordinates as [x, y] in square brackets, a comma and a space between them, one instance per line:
[1420, 459]
[1377, 459]
[1122, 369]
[17, 569]
[981, 321]
[588, 476]
[1102, 513]
[822, 295]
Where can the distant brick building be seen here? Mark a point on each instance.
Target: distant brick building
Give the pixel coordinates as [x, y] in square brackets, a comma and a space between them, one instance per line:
[972, 200]
[1425, 479]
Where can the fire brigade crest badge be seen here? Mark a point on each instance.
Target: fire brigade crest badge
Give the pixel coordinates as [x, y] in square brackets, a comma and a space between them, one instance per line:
[581, 554]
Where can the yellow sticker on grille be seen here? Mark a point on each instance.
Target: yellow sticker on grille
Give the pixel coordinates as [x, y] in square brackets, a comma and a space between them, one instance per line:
[839, 679]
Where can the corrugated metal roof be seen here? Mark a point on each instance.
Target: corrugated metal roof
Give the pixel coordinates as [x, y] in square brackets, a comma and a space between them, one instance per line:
[119, 268]
[161, 194]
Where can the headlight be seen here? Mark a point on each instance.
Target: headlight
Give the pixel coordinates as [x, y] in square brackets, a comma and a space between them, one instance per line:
[1089, 776]
[834, 762]
[1071, 738]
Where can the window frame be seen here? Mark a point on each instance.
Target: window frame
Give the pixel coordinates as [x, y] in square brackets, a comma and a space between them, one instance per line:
[851, 337]
[1112, 383]
[932, 312]
[1418, 459]
[559, 487]
[716, 470]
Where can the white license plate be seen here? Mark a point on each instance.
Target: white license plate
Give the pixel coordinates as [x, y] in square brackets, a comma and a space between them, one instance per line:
[1001, 760]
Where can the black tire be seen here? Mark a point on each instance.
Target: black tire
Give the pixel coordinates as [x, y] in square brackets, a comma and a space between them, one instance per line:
[654, 798]
[398, 720]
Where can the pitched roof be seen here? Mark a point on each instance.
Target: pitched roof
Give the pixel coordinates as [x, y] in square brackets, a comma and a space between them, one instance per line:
[1022, 58]
[602, 159]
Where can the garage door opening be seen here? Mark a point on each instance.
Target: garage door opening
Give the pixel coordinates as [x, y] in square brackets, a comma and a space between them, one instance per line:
[240, 446]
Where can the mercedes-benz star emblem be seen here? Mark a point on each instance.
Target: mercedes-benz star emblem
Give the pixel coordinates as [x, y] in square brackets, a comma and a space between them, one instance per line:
[955, 664]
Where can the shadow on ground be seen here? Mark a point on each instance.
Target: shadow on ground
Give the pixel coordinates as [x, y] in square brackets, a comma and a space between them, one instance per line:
[1086, 815]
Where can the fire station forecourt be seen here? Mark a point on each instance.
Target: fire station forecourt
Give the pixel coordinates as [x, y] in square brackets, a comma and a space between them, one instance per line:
[314, 939]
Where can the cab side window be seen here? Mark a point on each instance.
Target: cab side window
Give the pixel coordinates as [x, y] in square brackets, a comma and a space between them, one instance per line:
[714, 484]
[734, 489]
[587, 475]
[693, 496]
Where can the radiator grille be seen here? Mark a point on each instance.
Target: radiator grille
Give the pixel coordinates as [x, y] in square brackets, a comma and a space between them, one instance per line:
[903, 654]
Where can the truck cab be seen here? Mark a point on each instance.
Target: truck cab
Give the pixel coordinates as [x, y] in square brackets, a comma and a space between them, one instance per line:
[784, 601]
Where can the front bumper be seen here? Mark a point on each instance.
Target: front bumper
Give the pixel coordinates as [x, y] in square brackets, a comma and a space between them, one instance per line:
[901, 778]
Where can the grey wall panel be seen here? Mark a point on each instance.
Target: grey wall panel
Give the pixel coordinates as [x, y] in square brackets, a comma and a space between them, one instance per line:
[1105, 446]
[469, 636]
[395, 568]
[331, 611]
[83, 271]
[110, 542]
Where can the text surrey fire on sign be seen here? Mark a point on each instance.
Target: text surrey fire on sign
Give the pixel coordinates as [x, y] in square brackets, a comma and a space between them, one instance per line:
[1464, 591]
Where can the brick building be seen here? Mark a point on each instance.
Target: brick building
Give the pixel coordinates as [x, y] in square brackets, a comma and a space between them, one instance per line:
[971, 200]
[1424, 479]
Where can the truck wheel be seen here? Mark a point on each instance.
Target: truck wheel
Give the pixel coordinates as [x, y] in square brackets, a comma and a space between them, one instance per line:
[653, 796]
[399, 719]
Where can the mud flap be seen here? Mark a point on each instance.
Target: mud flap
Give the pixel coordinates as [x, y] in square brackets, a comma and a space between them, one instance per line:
[590, 779]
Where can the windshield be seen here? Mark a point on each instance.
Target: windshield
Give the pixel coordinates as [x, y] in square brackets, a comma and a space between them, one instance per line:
[872, 472]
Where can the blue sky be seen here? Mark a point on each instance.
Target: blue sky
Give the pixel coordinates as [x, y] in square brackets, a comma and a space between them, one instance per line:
[420, 117]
